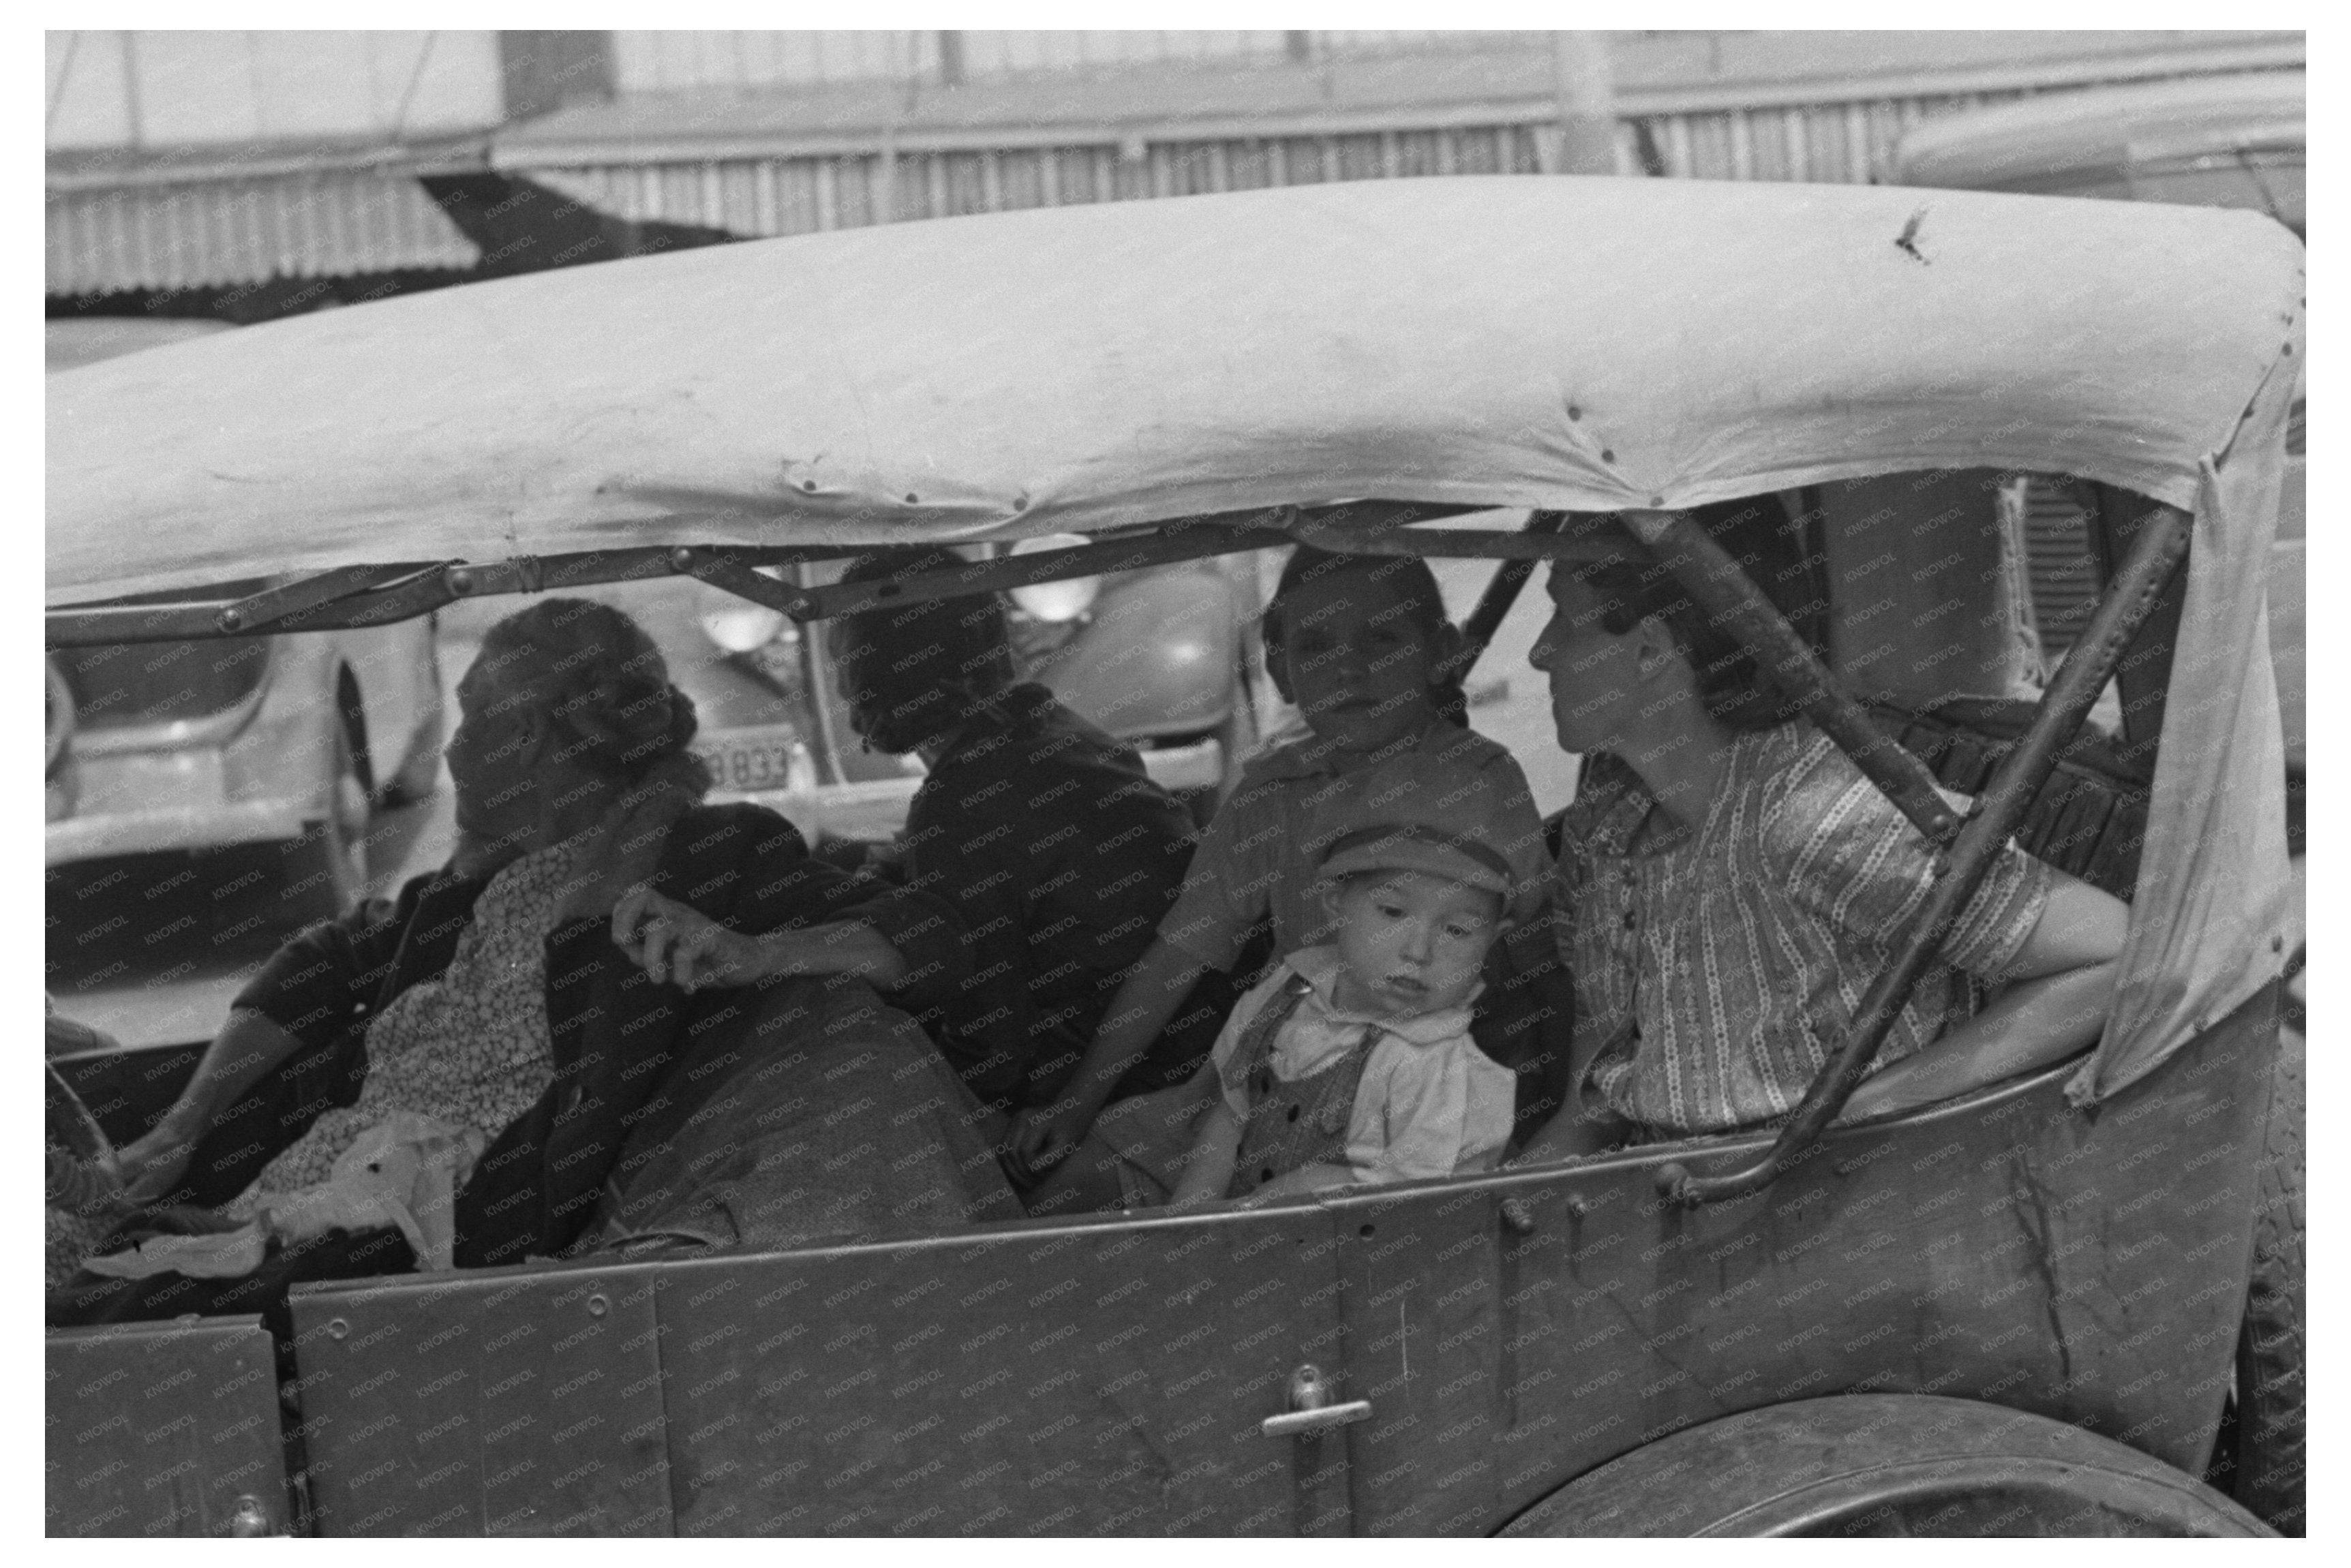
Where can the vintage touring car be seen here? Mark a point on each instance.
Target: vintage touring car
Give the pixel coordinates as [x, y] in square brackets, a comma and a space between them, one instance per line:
[2049, 1301]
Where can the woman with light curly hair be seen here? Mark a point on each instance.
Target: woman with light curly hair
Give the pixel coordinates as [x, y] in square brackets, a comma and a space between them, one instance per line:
[485, 1019]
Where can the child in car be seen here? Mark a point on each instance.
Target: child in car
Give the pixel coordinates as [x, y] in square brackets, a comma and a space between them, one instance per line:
[1351, 1062]
[1360, 645]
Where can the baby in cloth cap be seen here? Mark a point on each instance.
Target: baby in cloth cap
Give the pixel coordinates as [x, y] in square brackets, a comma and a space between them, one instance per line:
[1351, 1061]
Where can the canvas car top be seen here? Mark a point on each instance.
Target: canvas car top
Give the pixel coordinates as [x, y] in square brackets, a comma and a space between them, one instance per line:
[1626, 343]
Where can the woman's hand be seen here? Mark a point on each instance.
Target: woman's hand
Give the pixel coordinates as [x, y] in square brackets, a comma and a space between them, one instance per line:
[680, 945]
[153, 1164]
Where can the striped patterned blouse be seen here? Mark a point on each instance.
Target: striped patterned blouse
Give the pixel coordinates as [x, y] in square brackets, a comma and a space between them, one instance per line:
[1714, 971]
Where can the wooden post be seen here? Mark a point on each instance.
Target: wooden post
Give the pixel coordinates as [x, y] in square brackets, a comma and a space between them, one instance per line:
[1587, 105]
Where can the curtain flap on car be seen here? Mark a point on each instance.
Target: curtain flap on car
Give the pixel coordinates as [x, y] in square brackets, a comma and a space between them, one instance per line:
[2213, 918]
[1555, 342]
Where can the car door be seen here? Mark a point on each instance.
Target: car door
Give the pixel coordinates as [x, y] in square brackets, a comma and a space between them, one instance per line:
[1083, 1380]
[165, 1430]
[1031, 1378]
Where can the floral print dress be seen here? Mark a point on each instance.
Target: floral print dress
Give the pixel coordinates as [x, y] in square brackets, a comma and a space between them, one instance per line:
[471, 1046]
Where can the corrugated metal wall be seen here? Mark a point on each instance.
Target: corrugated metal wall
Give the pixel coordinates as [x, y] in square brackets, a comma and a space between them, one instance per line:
[669, 59]
[328, 224]
[1834, 142]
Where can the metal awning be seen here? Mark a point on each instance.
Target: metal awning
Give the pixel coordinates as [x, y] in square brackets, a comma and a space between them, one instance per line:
[117, 223]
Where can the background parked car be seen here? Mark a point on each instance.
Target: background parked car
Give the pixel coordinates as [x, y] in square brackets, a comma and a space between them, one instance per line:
[2207, 141]
[1164, 656]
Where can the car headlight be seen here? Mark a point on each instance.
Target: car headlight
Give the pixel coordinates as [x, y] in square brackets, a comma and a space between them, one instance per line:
[1060, 601]
[736, 625]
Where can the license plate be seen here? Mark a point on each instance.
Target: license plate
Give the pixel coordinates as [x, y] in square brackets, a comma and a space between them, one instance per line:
[750, 763]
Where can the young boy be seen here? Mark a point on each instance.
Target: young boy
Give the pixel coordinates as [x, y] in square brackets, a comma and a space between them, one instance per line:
[1351, 1062]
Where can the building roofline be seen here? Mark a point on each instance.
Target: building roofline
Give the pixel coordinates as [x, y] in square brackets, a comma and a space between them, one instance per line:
[107, 169]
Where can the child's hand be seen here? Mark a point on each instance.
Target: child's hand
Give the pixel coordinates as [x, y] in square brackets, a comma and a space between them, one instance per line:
[1043, 1136]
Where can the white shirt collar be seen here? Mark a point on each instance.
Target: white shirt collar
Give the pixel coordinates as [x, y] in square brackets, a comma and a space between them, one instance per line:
[1318, 966]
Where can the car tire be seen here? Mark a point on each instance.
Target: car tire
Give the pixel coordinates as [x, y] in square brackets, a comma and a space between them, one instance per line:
[1885, 1465]
[420, 776]
[420, 772]
[330, 865]
[2269, 1450]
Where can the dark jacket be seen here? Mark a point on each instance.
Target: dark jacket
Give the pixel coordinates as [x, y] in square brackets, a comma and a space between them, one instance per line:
[1059, 856]
[613, 1031]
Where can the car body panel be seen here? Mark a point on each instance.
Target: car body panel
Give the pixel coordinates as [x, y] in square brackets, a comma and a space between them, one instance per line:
[165, 1430]
[1509, 1332]
[1985, 1250]
[1060, 1380]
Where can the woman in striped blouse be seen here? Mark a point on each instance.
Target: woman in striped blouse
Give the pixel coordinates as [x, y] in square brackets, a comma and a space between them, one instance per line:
[1729, 883]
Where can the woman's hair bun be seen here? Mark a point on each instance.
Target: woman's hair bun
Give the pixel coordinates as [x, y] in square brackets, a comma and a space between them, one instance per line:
[602, 681]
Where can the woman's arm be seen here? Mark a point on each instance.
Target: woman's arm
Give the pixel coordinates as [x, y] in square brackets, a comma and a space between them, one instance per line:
[247, 1049]
[1162, 979]
[2065, 973]
[1208, 1169]
[676, 943]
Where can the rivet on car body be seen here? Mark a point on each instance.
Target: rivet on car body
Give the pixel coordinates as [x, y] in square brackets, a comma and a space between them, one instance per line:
[681, 559]
[338, 1329]
[598, 1306]
[1606, 455]
[1518, 1219]
[1573, 412]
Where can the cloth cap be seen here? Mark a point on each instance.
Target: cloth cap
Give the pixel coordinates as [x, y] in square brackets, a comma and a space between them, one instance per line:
[1426, 812]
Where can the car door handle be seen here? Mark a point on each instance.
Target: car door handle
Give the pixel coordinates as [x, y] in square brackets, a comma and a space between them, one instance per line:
[1311, 1407]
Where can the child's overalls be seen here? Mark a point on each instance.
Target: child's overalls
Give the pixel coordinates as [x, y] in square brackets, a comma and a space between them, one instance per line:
[1295, 1124]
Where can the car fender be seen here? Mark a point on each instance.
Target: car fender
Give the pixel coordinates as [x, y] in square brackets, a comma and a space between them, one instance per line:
[1845, 1464]
[1159, 656]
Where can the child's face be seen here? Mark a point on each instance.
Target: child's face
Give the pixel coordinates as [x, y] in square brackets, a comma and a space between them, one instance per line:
[1410, 943]
[1357, 660]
